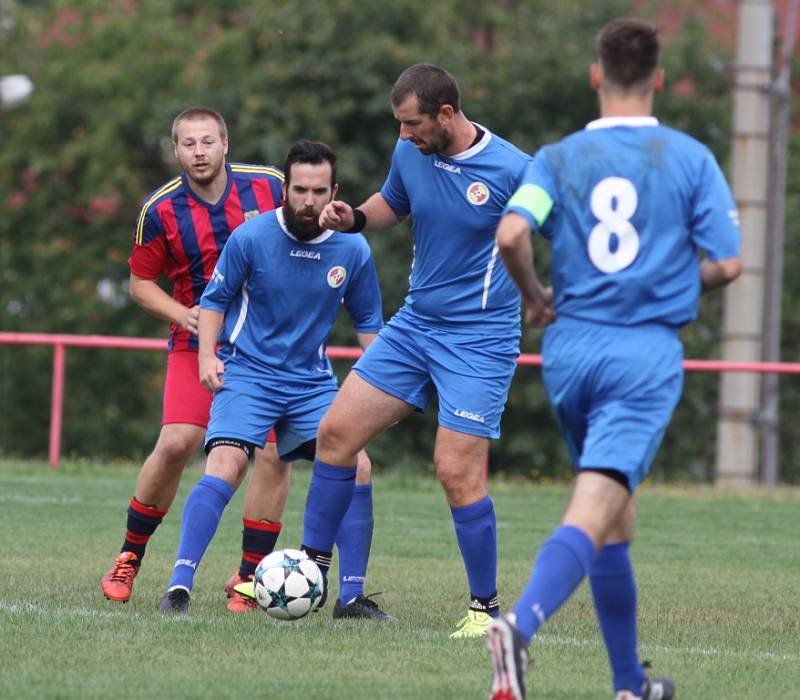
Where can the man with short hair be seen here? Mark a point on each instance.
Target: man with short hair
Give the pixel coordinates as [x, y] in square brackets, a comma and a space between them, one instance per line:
[457, 334]
[626, 204]
[180, 231]
[270, 303]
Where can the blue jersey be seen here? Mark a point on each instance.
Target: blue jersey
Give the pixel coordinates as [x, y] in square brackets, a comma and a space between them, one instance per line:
[456, 203]
[280, 297]
[627, 203]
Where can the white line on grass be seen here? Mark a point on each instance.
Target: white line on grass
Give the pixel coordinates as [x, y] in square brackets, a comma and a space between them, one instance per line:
[550, 640]
[27, 608]
[45, 500]
[36, 609]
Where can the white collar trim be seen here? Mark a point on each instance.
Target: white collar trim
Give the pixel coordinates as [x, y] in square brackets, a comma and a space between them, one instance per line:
[477, 148]
[324, 236]
[608, 122]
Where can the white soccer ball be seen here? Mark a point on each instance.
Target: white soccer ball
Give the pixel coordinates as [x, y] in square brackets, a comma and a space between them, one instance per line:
[288, 585]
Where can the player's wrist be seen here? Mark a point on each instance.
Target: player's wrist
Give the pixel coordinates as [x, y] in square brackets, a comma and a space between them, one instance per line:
[359, 222]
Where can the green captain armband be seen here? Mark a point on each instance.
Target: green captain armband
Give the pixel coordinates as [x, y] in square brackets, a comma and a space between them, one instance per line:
[534, 200]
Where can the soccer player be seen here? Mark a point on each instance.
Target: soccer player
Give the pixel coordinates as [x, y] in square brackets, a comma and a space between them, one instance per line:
[180, 231]
[457, 334]
[274, 295]
[626, 204]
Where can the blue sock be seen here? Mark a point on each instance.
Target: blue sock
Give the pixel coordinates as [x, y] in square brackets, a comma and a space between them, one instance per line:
[329, 497]
[353, 542]
[561, 565]
[476, 532]
[614, 591]
[201, 514]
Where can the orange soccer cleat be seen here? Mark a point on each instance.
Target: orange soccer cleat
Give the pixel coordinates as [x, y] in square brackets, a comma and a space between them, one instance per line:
[239, 603]
[117, 584]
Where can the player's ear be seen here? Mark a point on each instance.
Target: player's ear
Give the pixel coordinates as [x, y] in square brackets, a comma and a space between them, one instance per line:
[595, 76]
[445, 114]
[283, 190]
[658, 80]
[225, 146]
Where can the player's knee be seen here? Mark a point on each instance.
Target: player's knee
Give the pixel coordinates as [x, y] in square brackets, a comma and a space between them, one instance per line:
[331, 435]
[176, 449]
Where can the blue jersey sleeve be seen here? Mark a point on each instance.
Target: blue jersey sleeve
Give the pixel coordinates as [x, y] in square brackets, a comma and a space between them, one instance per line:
[231, 270]
[536, 193]
[393, 190]
[714, 224]
[363, 296]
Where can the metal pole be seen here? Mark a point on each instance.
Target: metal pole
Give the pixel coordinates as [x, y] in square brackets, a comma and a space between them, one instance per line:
[740, 394]
[772, 313]
[56, 404]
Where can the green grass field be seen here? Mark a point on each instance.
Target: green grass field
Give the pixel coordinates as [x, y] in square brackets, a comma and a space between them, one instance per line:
[719, 580]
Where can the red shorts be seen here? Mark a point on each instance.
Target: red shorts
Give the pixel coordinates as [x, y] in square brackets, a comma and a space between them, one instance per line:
[186, 400]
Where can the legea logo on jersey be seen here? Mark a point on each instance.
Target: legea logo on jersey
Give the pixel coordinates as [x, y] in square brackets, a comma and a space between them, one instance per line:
[299, 253]
[217, 276]
[477, 193]
[336, 276]
[251, 214]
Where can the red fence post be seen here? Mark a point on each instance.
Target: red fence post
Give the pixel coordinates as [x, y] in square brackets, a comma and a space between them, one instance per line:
[56, 404]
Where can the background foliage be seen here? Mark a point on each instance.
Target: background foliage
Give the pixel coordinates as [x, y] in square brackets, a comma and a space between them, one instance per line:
[77, 160]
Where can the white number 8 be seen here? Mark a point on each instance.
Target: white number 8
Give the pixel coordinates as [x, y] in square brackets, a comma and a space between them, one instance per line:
[614, 220]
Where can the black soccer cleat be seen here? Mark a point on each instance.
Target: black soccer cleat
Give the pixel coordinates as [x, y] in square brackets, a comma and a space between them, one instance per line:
[175, 601]
[652, 689]
[361, 607]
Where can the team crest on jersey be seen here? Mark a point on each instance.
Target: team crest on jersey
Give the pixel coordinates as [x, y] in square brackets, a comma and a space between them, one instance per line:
[251, 214]
[336, 276]
[477, 193]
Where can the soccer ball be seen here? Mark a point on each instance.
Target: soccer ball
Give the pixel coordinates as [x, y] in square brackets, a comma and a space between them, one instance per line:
[288, 585]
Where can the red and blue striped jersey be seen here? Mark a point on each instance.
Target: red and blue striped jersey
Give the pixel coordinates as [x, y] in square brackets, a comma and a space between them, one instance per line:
[182, 236]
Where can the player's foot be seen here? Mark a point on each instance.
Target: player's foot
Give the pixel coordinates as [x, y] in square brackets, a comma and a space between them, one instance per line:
[653, 689]
[472, 626]
[361, 607]
[175, 601]
[117, 584]
[239, 602]
[509, 660]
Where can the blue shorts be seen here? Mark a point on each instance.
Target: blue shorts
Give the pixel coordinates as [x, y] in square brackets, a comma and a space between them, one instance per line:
[247, 406]
[613, 390]
[470, 371]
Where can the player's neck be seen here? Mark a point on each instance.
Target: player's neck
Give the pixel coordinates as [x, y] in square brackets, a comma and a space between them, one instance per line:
[464, 132]
[211, 192]
[626, 105]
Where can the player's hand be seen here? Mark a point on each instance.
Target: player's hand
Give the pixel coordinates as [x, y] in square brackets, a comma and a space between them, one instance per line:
[189, 320]
[539, 312]
[337, 215]
[211, 369]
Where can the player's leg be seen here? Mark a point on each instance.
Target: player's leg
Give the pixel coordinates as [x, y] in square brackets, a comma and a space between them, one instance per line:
[264, 503]
[185, 416]
[614, 591]
[242, 413]
[225, 468]
[358, 413]
[460, 460]
[597, 504]
[353, 542]
[472, 373]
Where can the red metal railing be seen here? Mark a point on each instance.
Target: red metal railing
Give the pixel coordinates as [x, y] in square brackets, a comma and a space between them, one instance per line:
[61, 342]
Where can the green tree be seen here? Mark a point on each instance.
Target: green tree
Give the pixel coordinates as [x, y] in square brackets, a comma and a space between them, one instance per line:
[79, 158]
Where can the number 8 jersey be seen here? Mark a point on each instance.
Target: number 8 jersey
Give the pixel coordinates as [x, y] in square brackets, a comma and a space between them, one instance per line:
[627, 204]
